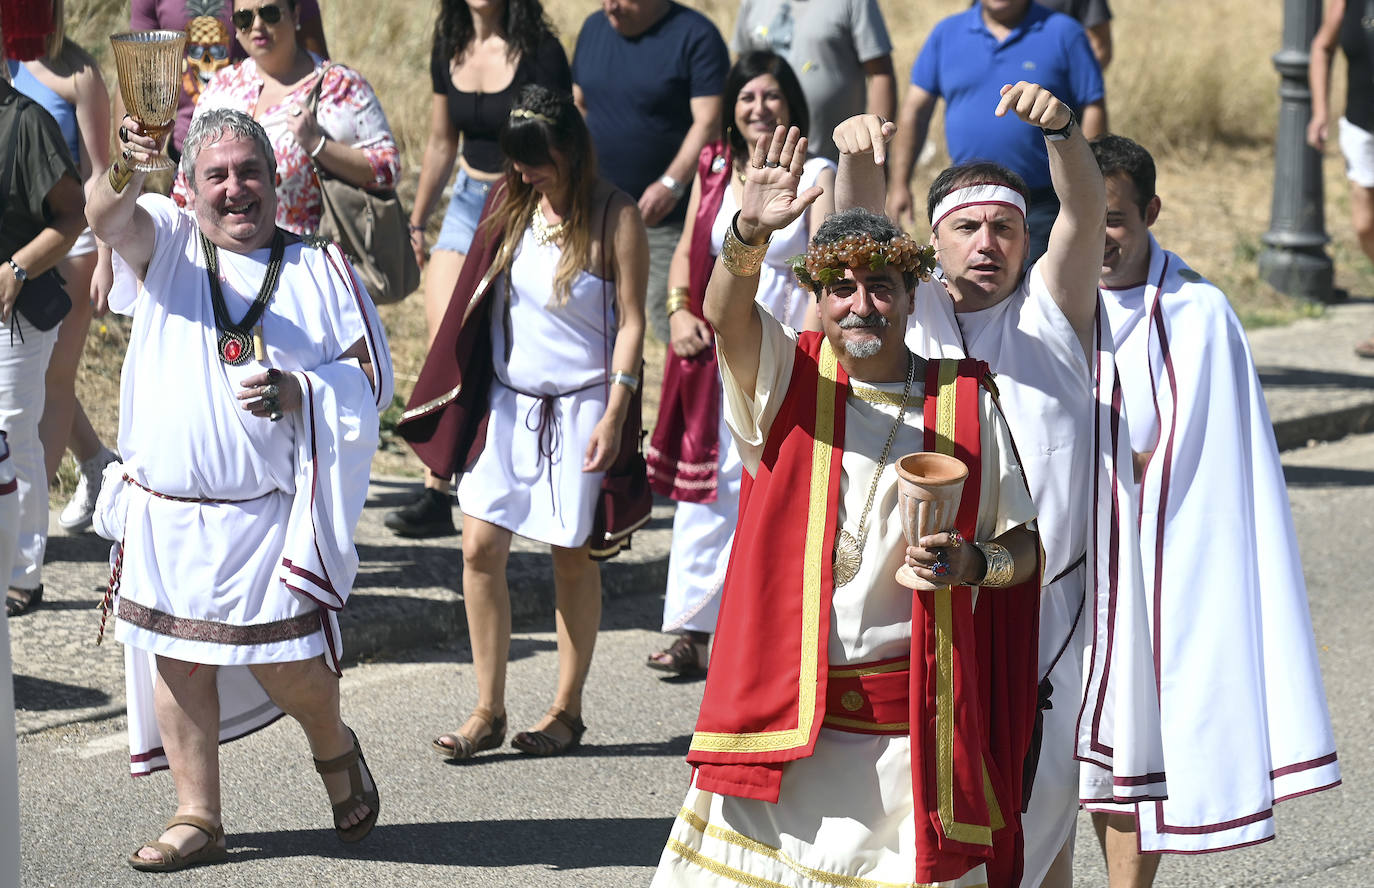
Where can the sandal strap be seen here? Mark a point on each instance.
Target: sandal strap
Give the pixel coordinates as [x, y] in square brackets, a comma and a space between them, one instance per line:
[340, 762]
[200, 823]
[572, 724]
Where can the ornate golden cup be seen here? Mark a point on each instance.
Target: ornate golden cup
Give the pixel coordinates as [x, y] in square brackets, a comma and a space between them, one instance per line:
[150, 64]
[929, 487]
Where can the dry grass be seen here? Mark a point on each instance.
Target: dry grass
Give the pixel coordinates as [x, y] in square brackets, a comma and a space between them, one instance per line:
[1207, 107]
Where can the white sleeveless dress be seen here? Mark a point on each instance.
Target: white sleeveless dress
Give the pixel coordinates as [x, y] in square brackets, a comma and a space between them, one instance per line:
[548, 395]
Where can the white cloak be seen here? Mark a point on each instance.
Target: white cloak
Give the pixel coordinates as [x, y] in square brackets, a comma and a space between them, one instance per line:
[1067, 424]
[1244, 712]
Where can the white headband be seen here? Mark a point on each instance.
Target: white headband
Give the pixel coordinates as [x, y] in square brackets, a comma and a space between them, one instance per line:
[979, 193]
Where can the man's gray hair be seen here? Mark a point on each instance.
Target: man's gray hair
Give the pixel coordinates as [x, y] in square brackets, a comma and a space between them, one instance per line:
[857, 220]
[222, 123]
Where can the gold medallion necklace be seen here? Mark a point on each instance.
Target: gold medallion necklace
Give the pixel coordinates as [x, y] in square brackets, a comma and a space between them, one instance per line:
[849, 551]
[544, 232]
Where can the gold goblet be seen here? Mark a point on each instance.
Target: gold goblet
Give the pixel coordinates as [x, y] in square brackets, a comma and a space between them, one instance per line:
[929, 487]
[150, 64]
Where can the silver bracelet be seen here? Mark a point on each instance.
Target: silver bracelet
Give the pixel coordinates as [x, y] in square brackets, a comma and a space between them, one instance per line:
[1001, 566]
[629, 380]
[320, 147]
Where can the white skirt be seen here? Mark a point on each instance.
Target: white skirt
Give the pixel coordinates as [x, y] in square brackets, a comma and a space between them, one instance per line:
[516, 486]
[703, 534]
[844, 817]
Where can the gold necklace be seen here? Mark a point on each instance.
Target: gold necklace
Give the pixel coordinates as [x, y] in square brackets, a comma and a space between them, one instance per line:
[544, 233]
[849, 552]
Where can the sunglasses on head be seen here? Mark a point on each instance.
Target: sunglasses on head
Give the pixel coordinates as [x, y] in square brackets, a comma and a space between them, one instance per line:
[270, 13]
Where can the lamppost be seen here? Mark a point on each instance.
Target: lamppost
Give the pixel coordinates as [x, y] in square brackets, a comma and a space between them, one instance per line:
[1294, 259]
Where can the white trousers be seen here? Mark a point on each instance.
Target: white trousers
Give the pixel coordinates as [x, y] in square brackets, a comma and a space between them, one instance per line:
[9, 762]
[24, 353]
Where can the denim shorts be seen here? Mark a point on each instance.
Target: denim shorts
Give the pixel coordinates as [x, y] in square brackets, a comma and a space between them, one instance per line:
[464, 209]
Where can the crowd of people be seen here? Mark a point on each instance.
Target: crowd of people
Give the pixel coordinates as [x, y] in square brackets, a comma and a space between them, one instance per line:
[751, 216]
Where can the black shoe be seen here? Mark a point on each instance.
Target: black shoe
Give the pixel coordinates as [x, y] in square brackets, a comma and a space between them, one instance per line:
[431, 515]
[21, 601]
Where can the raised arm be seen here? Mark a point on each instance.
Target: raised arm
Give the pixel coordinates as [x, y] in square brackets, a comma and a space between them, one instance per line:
[861, 180]
[1071, 265]
[114, 216]
[913, 125]
[770, 201]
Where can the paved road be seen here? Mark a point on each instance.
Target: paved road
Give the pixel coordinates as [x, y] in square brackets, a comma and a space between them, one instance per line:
[600, 817]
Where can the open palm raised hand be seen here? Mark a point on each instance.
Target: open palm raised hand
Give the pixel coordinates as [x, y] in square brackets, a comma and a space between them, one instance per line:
[770, 200]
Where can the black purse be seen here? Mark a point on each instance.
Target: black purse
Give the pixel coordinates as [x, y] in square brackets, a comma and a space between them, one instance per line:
[43, 300]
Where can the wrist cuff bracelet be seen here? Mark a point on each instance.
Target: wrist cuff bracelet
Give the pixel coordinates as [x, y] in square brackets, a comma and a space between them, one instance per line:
[629, 380]
[1001, 566]
[741, 259]
[119, 176]
[678, 298]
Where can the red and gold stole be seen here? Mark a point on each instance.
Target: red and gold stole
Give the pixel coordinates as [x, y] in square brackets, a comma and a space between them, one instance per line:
[973, 677]
[765, 691]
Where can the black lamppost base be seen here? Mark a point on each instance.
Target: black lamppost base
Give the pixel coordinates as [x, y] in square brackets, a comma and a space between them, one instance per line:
[1303, 272]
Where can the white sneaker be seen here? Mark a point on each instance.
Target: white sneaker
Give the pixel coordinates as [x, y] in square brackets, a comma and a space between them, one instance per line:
[76, 515]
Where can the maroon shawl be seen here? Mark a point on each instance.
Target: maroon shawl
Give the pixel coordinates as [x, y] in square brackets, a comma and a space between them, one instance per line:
[684, 453]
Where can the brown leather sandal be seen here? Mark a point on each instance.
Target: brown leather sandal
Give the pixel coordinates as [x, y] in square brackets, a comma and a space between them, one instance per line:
[687, 656]
[464, 747]
[212, 851]
[538, 743]
[354, 763]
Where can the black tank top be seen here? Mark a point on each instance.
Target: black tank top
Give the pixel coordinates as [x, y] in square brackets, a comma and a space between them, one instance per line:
[1357, 40]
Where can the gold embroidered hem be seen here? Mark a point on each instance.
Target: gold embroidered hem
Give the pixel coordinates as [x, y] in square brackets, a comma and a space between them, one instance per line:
[705, 850]
[300, 626]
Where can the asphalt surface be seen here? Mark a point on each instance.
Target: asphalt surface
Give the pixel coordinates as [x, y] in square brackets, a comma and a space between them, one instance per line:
[600, 817]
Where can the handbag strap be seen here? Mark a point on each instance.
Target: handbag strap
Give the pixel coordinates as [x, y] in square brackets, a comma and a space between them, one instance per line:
[314, 105]
[605, 296]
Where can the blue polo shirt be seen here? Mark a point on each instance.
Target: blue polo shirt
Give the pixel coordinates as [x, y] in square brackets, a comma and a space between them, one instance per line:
[964, 64]
[639, 90]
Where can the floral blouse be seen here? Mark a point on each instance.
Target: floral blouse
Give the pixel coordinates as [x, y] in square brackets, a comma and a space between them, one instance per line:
[349, 113]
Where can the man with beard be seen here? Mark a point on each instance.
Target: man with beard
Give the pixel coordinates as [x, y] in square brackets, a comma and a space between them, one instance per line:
[852, 730]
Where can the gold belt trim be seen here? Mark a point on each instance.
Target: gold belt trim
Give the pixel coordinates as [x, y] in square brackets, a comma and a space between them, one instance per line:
[739, 840]
[190, 629]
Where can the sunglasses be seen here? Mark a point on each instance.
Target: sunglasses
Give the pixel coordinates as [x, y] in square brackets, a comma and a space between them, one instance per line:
[270, 13]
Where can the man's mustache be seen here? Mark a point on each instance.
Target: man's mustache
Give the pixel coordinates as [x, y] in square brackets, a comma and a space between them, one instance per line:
[853, 321]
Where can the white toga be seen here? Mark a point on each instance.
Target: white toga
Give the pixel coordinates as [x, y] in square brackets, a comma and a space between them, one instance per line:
[236, 532]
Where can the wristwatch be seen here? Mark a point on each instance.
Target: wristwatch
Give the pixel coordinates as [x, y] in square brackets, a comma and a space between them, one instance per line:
[20, 274]
[1059, 135]
[673, 185]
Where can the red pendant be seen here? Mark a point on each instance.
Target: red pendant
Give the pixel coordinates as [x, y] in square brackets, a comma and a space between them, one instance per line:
[233, 348]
